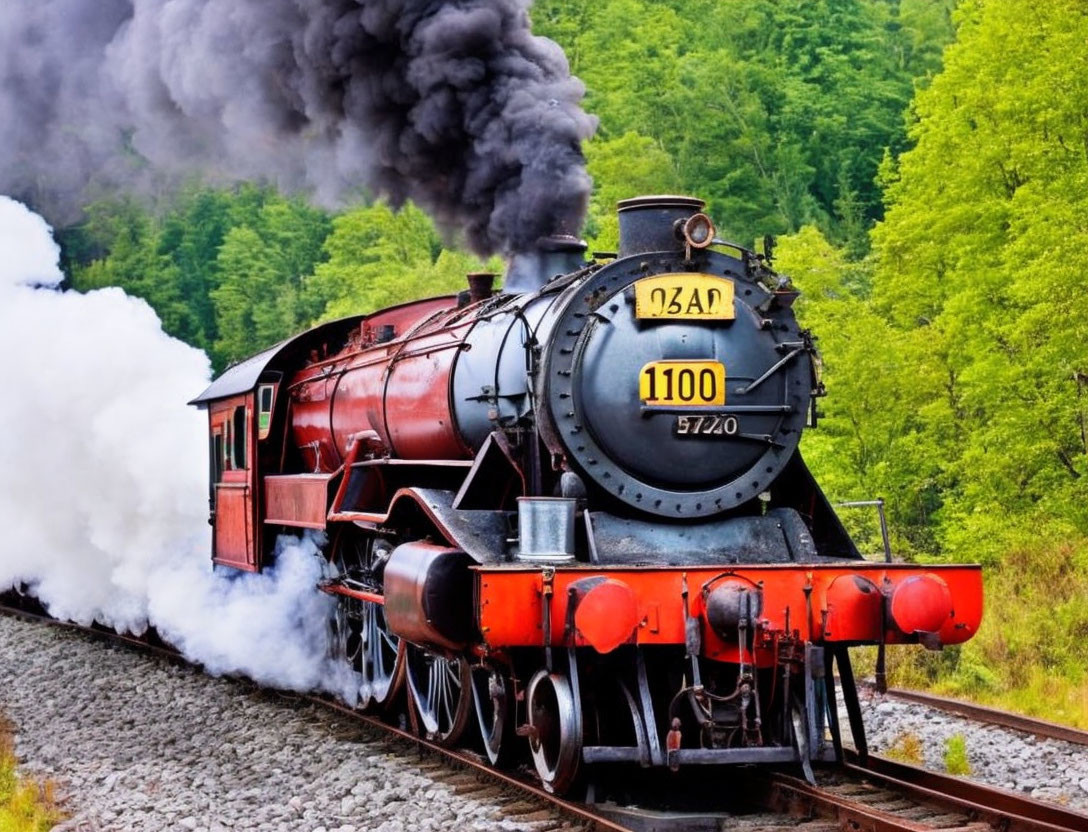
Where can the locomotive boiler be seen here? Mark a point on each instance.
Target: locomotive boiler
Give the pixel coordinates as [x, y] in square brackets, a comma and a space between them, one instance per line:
[572, 515]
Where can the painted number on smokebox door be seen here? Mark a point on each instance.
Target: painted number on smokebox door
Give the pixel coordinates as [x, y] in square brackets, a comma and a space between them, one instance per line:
[682, 384]
[684, 297]
[714, 425]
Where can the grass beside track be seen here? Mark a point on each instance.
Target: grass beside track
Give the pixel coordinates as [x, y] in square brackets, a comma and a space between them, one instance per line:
[25, 805]
[1039, 692]
[1028, 655]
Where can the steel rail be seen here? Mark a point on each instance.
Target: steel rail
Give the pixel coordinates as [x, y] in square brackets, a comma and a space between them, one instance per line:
[576, 811]
[992, 716]
[887, 810]
[999, 808]
[885, 796]
[790, 795]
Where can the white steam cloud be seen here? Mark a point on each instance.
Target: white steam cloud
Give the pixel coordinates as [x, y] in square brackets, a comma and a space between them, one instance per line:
[103, 479]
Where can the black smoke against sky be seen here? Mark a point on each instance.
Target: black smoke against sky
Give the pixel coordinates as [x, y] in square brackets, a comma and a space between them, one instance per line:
[455, 105]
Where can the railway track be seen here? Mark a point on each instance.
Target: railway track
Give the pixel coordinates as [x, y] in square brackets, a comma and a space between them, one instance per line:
[991, 716]
[875, 795]
[883, 794]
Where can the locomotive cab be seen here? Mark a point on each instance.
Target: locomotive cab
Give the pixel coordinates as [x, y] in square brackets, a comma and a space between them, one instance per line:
[240, 427]
[243, 430]
[248, 424]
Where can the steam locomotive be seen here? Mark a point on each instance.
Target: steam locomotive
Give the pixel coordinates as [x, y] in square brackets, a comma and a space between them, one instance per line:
[574, 514]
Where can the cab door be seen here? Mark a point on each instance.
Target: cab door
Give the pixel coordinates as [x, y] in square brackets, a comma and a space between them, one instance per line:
[233, 448]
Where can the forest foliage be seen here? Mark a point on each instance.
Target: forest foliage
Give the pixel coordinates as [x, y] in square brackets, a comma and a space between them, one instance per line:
[925, 165]
[957, 351]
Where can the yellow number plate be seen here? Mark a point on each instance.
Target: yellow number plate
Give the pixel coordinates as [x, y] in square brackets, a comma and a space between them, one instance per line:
[682, 383]
[685, 297]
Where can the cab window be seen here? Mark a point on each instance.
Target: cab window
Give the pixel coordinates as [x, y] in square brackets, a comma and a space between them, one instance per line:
[266, 397]
[228, 444]
[238, 451]
[218, 456]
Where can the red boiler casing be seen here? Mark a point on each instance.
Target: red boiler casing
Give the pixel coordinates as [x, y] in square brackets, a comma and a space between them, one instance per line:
[399, 389]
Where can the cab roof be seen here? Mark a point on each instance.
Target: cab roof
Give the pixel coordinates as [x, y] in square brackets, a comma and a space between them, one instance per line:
[244, 376]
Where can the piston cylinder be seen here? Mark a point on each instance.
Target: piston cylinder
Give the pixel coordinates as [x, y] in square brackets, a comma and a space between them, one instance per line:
[428, 595]
[733, 605]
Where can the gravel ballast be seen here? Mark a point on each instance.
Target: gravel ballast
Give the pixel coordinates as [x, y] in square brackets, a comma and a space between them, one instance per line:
[1046, 769]
[136, 742]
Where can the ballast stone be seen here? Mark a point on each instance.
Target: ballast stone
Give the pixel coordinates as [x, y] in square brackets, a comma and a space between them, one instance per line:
[196, 753]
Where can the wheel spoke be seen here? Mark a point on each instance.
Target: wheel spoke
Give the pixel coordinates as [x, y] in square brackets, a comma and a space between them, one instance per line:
[373, 657]
[432, 688]
[359, 637]
[447, 695]
[439, 692]
[488, 688]
[379, 653]
[389, 639]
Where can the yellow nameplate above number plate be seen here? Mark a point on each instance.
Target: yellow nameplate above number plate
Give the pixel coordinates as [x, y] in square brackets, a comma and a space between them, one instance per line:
[682, 384]
[684, 297]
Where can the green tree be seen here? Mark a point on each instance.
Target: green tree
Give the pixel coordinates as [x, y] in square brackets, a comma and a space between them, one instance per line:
[777, 111]
[128, 237]
[981, 265]
[259, 271]
[379, 257]
[623, 167]
[863, 446]
[173, 260]
[192, 232]
[254, 305]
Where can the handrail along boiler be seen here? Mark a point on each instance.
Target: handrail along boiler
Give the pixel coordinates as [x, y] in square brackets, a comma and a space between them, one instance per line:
[574, 514]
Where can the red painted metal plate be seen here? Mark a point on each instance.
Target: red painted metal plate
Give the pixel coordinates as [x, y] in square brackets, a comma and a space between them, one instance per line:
[299, 500]
[795, 601]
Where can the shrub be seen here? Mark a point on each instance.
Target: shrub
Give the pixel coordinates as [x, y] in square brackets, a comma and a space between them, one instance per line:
[955, 755]
[907, 748]
[25, 806]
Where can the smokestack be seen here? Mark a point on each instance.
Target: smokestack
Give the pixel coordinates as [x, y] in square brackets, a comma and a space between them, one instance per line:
[552, 256]
[652, 223]
[454, 105]
[480, 286]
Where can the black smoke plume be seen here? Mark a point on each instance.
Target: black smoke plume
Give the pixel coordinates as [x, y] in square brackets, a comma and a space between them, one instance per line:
[455, 105]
